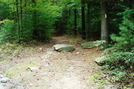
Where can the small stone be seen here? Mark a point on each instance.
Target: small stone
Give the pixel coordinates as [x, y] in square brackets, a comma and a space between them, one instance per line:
[77, 52]
[1, 75]
[4, 80]
[30, 84]
[40, 48]
[32, 68]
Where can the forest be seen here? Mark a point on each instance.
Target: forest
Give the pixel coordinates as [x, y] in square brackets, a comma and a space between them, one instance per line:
[25, 21]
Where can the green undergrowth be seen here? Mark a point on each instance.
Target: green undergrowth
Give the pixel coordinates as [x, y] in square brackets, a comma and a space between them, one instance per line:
[99, 79]
[120, 69]
[9, 50]
[102, 80]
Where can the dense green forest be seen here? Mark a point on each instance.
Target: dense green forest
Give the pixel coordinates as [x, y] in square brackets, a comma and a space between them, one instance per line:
[25, 20]
[110, 20]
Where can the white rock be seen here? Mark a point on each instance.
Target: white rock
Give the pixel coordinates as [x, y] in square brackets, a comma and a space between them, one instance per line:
[32, 68]
[77, 52]
[1, 76]
[40, 48]
[4, 80]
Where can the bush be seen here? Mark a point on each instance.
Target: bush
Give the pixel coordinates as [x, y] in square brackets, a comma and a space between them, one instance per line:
[7, 32]
[45, 26]
[125, 40]
[122, 60]
[119, 64]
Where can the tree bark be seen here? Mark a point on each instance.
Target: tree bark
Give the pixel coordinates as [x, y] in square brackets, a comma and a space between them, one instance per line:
[104, 21]
[89, 33]
[17, 20]
[75, 22]
[20, 17]
[35, 32]
[83, 19]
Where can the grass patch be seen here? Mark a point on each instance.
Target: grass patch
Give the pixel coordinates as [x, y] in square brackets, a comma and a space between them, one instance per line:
[2, 61]
[19, 68]
[9, 50]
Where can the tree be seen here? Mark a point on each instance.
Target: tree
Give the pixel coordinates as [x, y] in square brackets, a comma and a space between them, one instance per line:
[75, 21]
[125, 39]
[83, 19]
[33, 20]
[104, 21]
[36, 19]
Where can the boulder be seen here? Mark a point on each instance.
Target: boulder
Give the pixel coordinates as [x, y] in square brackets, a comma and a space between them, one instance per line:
[92, 44]
[63, 47]
[101, 60]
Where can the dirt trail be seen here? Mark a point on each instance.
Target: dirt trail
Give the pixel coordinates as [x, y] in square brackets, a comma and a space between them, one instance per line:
[55, 70]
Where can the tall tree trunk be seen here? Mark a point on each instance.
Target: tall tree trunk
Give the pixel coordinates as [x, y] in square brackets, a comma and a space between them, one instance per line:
[35, 32]
[83, 19]
[104, 21]
[75, 22]
[17, 20]
[89, 33]
[20, 17]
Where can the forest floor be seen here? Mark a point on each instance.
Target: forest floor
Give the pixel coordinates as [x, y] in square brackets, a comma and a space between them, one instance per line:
[52, 69]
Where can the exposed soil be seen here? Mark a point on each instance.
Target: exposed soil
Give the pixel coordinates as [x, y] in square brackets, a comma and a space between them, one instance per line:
[55, 70]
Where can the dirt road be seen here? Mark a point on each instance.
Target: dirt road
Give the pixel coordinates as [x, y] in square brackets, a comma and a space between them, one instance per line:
[54, 70]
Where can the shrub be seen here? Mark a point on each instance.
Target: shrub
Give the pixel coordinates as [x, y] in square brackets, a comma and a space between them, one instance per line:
[122, 60]
[7, 32]
[125, 40]
[119, 64]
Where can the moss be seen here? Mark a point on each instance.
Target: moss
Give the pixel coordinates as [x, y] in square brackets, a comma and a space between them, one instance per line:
[2, 61]
[19, 68]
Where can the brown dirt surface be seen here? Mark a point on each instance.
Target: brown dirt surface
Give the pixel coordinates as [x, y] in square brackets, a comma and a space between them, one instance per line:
[55, 70]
